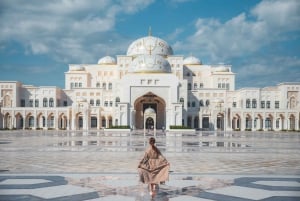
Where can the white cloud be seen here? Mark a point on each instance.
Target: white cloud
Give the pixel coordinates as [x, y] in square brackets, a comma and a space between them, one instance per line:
[266, 23]
[64, 29]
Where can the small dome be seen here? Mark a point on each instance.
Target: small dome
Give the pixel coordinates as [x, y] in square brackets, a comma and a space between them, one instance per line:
[150, 64]
[221, 69]
[149, 110]
[192, 61]
[107, 60]
[76, 68]
[149, 45]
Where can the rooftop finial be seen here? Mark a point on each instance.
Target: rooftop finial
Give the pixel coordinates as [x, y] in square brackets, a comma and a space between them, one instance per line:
[150, 31]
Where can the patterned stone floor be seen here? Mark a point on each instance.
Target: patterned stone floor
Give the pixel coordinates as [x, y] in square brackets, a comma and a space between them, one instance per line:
[124, 187]
[237, 166]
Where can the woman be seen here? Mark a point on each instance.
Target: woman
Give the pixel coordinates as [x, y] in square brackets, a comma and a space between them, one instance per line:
[154, 167]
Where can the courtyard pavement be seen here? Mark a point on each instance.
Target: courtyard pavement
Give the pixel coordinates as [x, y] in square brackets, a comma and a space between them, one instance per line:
[98, 165]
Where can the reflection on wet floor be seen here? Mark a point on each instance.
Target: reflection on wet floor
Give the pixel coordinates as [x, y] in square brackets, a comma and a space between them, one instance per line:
[177, 142]
[106, 151]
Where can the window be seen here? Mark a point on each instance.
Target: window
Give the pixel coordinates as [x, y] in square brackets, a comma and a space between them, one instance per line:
[195, 86]
[181, 100]
[277, 104]
[201, 85]
[106, 103]
[97, 102]
[227, 86]
[98, 85]
[189, 104]
[110, 103]
[277, 123]
[233, 104]
[65, 103]
[76, 84]
[22, 103]
[104, 85]
[189, 86]
[219, 85]
[268, 105]
[193, 104]
[36, 103]
[262, 104]
[92, 102]
[80, 84]
[207, 103]
[248, 103]
[45, 102]
[72, 85]
[117, 101]
[201, 103]
[223, 85]
[254, 105]
[30, 103]
[51, 102]
[51, 122]
[110, 86]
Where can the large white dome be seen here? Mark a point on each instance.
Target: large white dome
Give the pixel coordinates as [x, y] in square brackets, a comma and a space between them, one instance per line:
[149, 45]
[150, 64]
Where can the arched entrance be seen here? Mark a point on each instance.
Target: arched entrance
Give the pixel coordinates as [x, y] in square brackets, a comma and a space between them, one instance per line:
[155, 102]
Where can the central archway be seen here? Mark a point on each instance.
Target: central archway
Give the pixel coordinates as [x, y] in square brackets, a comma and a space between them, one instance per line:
[153, 101]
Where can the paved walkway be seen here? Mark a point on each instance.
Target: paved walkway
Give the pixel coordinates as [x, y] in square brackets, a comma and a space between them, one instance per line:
[76, 166]
[125, 187]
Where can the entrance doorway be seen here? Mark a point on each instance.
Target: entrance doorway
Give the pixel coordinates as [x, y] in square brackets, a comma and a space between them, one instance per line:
[149, 123]
[150, 100]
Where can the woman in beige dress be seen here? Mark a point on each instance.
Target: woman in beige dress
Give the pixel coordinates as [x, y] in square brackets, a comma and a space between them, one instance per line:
[154, 167]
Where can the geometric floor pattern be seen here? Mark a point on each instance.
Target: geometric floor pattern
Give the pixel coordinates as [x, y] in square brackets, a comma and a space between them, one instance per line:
[125, 187]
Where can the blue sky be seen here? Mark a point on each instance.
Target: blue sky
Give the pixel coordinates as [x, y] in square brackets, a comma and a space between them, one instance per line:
[260, 39]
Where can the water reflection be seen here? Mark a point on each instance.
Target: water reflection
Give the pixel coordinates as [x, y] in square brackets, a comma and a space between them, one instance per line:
[123, 144]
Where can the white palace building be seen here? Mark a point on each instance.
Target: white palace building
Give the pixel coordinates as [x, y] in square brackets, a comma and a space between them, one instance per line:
[149, 87]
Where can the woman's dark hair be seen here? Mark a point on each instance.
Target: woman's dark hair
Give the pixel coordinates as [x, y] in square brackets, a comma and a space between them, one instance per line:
[152, 140]
[152, 143]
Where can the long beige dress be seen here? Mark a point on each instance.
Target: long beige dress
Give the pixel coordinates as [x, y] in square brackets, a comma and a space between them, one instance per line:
[153, 168]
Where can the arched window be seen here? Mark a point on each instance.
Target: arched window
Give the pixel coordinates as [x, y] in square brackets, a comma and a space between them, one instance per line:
[110, 86]
[31, 121]
[181, 100]
[254, 103]
[117, 101]
[207, 103]
[98, 85]
[195, 86]
[189, 86]
[248, 103]
[45, 102]
[92, 102]
[98, 102]
[201, 103]
[36, 103]
[193, 104]
[104, 85]
[51, 102]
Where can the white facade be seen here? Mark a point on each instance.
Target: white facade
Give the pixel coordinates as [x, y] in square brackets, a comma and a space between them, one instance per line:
[120, 92]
